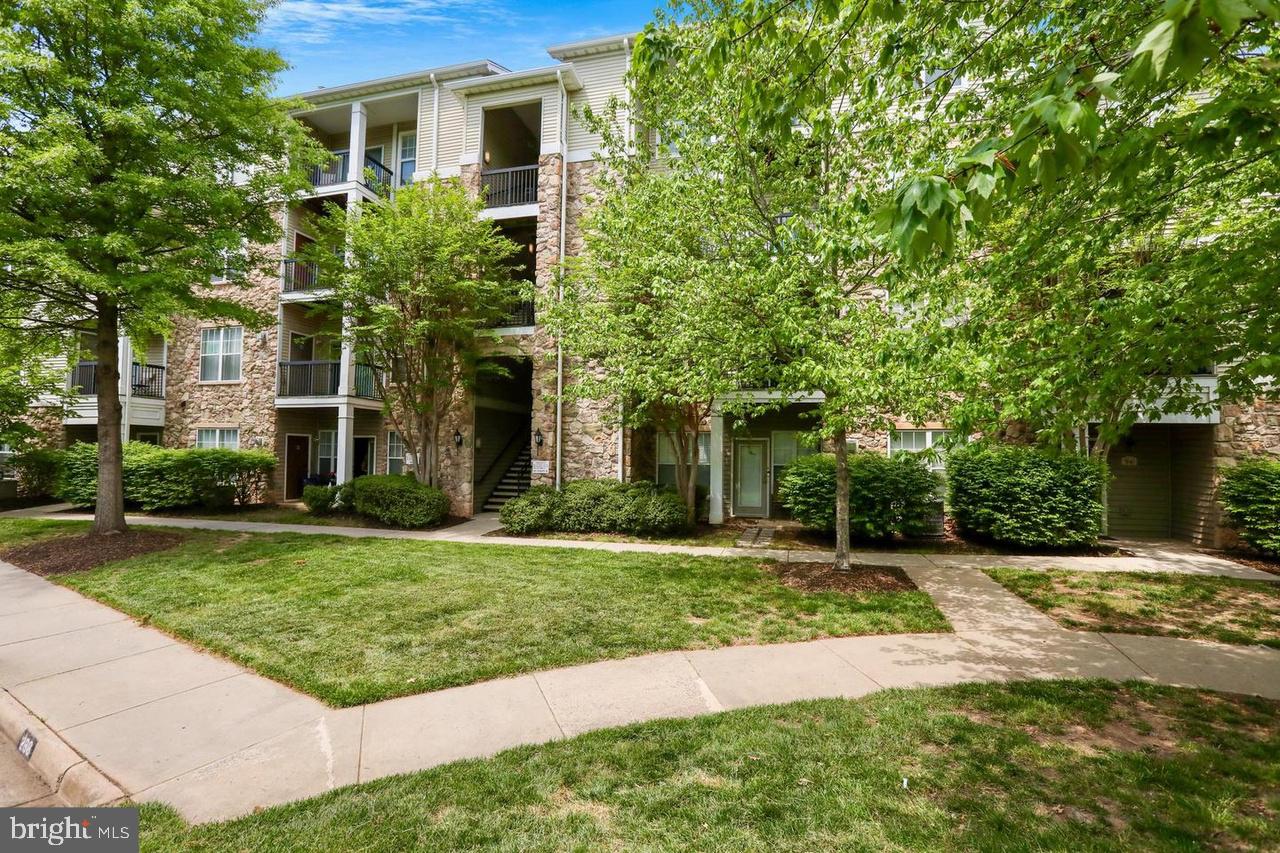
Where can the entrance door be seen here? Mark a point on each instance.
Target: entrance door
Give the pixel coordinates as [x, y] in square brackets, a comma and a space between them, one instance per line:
[297, 458]
[362, 456]
[750, 477]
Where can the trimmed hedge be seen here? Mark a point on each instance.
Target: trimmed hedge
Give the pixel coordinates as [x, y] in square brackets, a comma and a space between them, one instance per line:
[596, 506]
[319, 499]
[1250, 493]
[38, 472]
[162, 478]
[398, 500]
[887, 495]
[1023, 496]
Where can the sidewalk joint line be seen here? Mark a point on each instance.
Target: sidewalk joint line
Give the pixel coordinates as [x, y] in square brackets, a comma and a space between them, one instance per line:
[547, 702]
[160, 699]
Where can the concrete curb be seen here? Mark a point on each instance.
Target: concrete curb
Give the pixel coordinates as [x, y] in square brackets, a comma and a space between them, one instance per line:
[69, 775]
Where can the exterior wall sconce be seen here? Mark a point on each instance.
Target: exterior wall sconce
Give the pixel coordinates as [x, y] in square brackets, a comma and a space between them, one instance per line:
[537, 437]
[457, 438]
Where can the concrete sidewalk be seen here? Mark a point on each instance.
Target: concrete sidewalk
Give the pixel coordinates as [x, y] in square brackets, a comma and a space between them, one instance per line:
[167, 722]
[479, 530]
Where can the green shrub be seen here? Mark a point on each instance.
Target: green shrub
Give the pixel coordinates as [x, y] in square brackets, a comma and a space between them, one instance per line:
[319, 499]
[38, 472]
[533, 512]
[399, 501]
[887, 495]
[1250, 493]
[596, 506]
[163, 478]
[1025, 497]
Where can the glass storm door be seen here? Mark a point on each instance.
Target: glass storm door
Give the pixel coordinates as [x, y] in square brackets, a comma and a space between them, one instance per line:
[750, 468]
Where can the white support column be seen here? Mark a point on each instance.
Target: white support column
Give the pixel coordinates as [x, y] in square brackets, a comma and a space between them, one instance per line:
[346, 361]
[346, 442]
[715, 514]
[359, 125]
[124, 358]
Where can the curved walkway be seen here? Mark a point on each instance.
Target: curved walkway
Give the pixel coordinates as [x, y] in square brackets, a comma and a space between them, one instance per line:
[480, 530]
[167, 722]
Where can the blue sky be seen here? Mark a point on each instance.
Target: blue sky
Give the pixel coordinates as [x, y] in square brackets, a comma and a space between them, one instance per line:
[329, 42]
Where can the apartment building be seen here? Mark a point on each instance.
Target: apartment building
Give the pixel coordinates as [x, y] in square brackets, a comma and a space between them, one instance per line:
[297, 389]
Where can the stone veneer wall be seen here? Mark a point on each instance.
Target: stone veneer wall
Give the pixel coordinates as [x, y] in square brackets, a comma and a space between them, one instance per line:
[248, 404]
[1244, 432]
[590, 448]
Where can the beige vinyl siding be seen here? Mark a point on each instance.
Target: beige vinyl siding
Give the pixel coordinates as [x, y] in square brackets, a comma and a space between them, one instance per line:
[452, 129]
[602, 78]
[381, 135]
[551, 119]
[1139, 503]
[426, 121]
[154, 352]
[1194, 511]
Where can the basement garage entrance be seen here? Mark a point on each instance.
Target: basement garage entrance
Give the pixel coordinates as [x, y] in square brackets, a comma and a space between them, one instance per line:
[1162, 484]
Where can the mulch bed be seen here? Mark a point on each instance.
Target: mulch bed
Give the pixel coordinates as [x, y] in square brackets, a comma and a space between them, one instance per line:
[65, 554]
[822, 577]
[1250, 559]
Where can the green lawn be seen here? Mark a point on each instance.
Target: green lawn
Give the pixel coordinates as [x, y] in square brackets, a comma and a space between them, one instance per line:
[1221, 609]
[1034, 766]
[357, 620]
[275, 514]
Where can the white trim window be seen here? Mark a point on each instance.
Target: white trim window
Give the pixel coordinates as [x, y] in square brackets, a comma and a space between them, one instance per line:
[7, 471]
[666, 473]
[407, 161]
[234, 264]
[220, 352]
[930, 442]
[327, 452]
[395, 453]
[223, 438]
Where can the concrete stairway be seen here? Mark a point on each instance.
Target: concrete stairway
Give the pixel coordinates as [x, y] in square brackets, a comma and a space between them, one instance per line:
[514, 482]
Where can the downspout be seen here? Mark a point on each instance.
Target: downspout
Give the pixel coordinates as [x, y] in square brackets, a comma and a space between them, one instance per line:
[560, 283]
[435, 126]
[124, 356]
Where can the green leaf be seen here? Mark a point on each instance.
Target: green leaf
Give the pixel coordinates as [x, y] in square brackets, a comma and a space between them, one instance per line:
[1156, 45]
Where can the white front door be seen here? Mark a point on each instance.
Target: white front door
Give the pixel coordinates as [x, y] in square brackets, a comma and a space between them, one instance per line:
[750, 477]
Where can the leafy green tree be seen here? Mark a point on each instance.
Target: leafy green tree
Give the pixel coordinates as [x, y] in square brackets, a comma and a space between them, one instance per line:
[652, 311]
[1092, 192]
[141, 149]
[424, 282]
[821, 297]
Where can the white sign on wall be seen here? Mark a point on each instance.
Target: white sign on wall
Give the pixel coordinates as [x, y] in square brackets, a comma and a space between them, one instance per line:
[542, 466]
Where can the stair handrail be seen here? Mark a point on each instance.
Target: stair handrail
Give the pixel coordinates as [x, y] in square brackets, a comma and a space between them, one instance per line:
[501, 453]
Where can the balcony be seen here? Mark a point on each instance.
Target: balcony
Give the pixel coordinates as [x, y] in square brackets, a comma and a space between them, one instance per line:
[146, 380]
[299, 276]
[377, 177]
[320, 379]
[509, 187]
[521, 315]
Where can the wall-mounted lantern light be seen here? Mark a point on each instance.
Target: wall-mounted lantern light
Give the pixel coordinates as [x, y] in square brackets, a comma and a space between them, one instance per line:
[457, 438]
[537, 437]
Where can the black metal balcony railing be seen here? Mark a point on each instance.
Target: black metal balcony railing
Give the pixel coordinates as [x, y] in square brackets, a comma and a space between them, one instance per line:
[377, 176]
[84, 378]
[309, 378]
[333, 172]
[320, 379]
[367, 382]
[299, 276]
[521, 315]
[505, 187]
[146, 380]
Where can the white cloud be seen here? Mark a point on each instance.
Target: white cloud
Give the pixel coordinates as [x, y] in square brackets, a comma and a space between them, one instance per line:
[318, 22]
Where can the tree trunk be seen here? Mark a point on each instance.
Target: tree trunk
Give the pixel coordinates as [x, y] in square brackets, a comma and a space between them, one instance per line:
[433, 441]
[687, 471]
[108, 514]
[842, 501]
[1099, 452]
